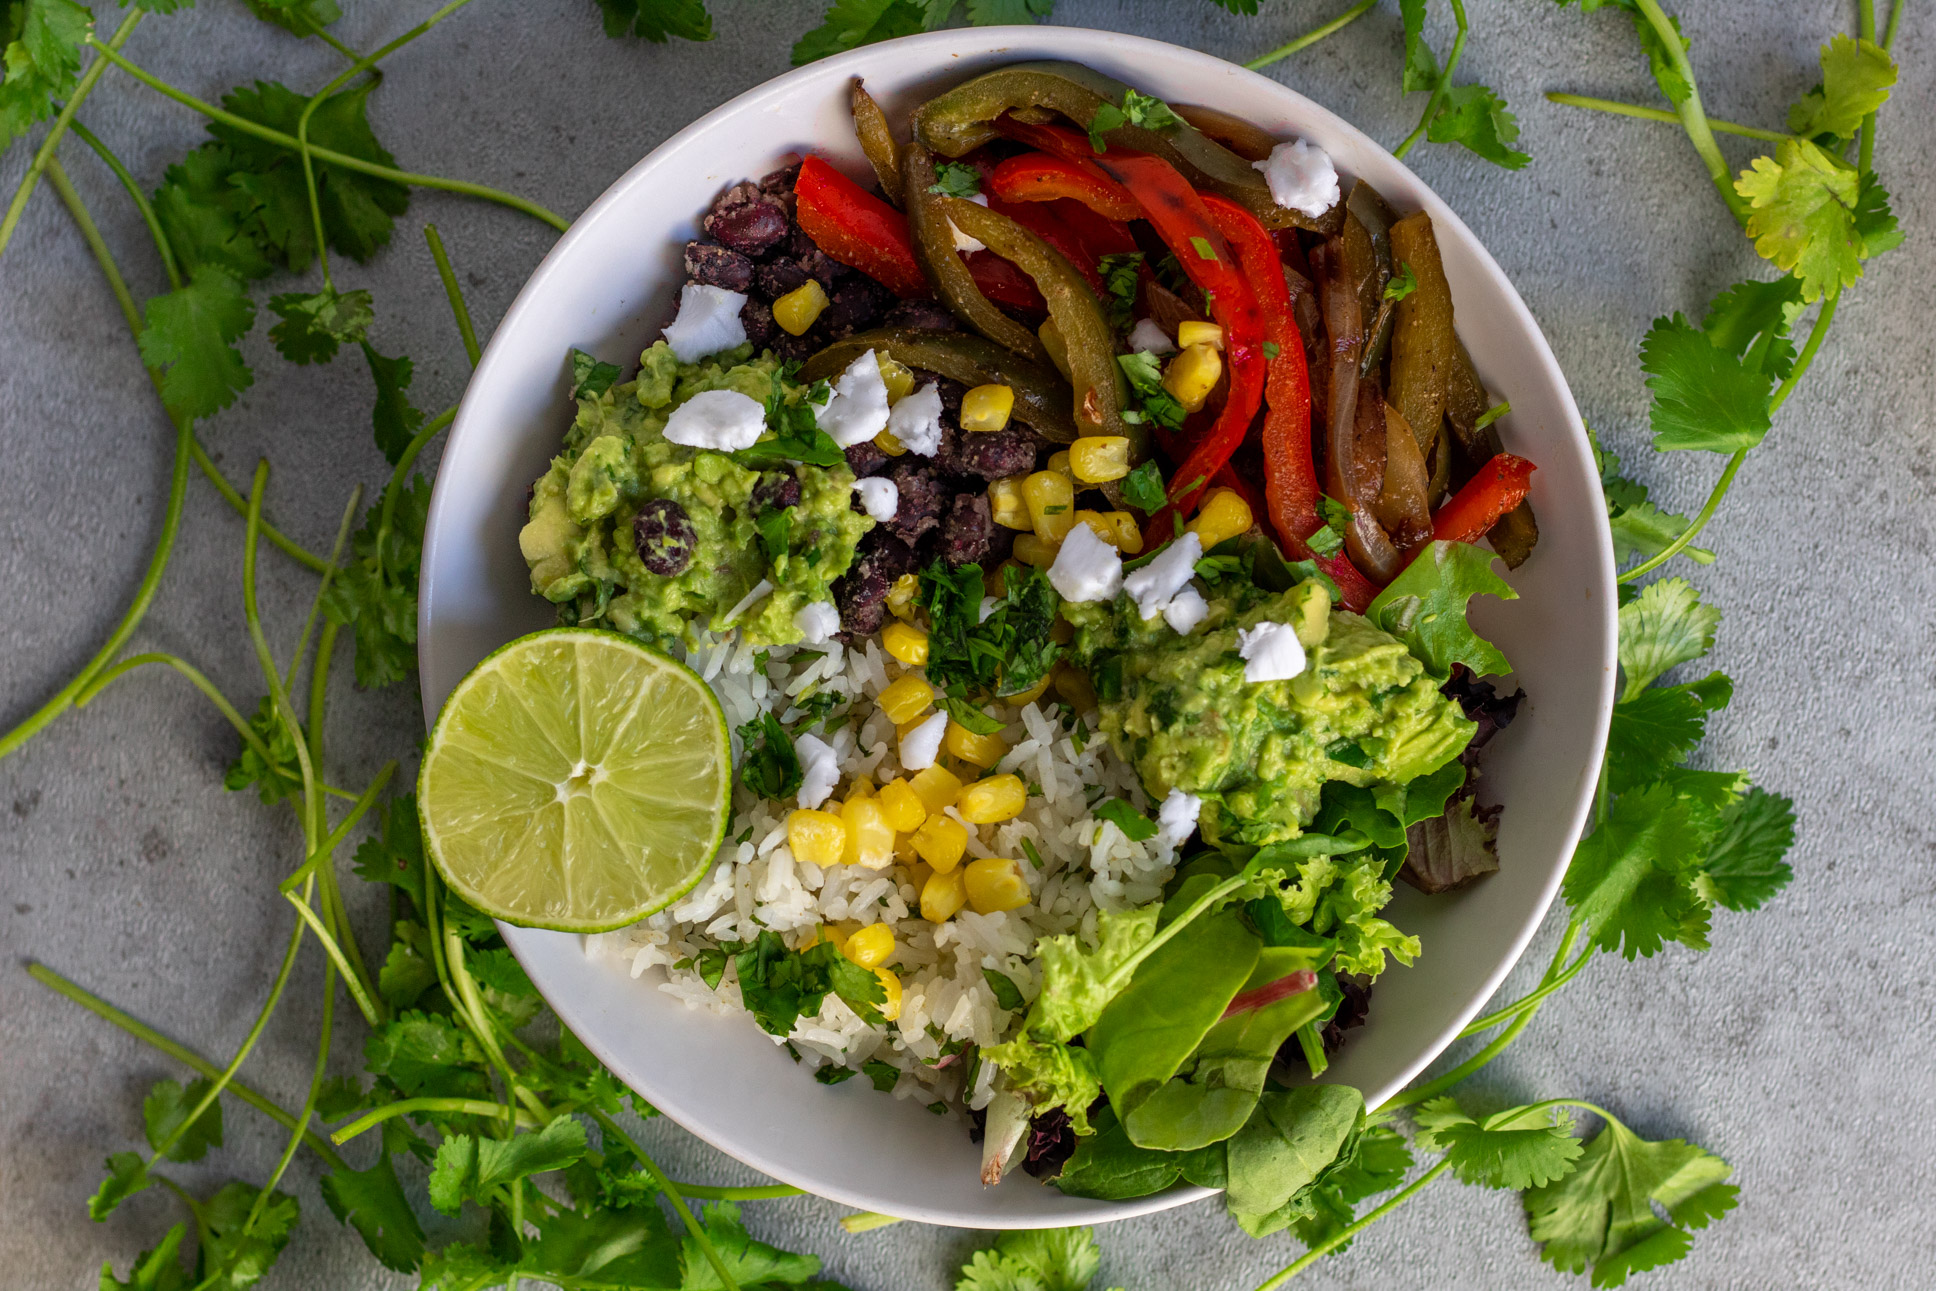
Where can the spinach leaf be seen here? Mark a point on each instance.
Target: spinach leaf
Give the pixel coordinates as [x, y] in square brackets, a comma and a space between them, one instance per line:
[1280, 1155]
[1425, 608]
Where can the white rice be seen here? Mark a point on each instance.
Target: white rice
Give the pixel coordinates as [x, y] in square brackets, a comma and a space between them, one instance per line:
[756, 883]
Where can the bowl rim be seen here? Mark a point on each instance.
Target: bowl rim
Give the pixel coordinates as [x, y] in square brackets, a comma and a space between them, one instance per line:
[932, 49]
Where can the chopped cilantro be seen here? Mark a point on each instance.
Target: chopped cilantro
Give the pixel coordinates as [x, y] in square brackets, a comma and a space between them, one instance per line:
[1203, 248]
[1135, 825]
[956, 179]
[771, 768]
[1402, 284]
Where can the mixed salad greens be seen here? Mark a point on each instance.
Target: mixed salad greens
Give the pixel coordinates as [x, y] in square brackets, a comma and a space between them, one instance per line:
[455, 1049]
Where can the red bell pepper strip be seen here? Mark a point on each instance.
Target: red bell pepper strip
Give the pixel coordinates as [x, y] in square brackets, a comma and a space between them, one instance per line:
[857, 228]
[1005, 284]
[1102, 236]
[1040, 177]
[1044, 223]
[1500, 485]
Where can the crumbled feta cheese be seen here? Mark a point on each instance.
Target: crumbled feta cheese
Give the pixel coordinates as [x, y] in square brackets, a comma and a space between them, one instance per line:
[818, 620]
[920, 746]
[1185, 610]
[722, 420]
[962, 241]
[1176, 819]
[819, 769]
[858, 410]
[916, 421]
[880, 498]
[1271, 652]
[708, 322]
[1301, 177]
[1087, 568]
[761, 590]
[1152, 586]
[1148, 334]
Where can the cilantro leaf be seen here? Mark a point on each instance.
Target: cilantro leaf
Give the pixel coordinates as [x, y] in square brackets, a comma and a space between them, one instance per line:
[190, 336]
[1663, 627]
[1377, 1163]
[206, 218]
[376, 594]
[298, 17]
[1652, 732]
[1633, 880]
[1802, 216]
[1146, 379]
[127, 1175]
[312, 327]
[278, 779]
[155, 1270]
[657, 20]
[372, 1202]
[1518, 1148]
[1704, 397]
[1639, 527]
[1120, 280]
[1421, 65]
[1004, 13]
[426, 1053]
[1403, 283]
[394, 420]
[771, 768]
[1875, 223]
[394, 854]
[1475, 116]
[1007, 994]
[956, 179]
[472, 1168]
[1135, 825]
[1145, 110]
[849, 24]
[1856, 77]
[41, 61]
[164, 1115]
[1660, 60]
[1752, 320]
[1425, 608]
[751, 1262]
[1745, 867]
[797, 436]
[1054, 1259]
[1602, 1215]
[236, 1253]
[968, 716]
[591, 377]
[1106, 118]
[1143, 487]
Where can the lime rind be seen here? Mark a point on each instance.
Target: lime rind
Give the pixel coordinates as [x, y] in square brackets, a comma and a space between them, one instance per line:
[712, 783]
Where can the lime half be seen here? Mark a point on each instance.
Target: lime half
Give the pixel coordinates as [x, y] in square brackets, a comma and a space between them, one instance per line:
[576, 780]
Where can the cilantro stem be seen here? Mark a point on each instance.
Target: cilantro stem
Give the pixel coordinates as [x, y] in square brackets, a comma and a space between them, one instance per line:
[265, 658]
[372, 1012]
[139, 198]
[1350, 1231]
[1693, 117]
[109, 676]
[364, 802]
[277, 539]
[180, 1053]
[386, 517]
[1661, 114]
[478, 1019]
[44, 155]
[1823, 318]
[764, 1192]
[322, 586]
[866, 1221]
[671, 1190]
[1313, 36]
[411, 1106]
[171, 513]
[1865, 24]
[1889, 32]
[334, 158]
[455, 292]
[1444, 85]
[328, 1030]
[1552, 984]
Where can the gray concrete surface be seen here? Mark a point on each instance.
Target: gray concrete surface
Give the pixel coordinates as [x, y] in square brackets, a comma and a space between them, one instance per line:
[1800, 1047]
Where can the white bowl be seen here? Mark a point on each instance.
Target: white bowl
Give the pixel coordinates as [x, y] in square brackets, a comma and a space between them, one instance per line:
[608, 286]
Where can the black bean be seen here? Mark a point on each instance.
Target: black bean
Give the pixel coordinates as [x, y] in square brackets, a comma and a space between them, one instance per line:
[756, 316]
[664, 537]
[924, 315]
[923, 498]
[861, 593]
[747, 220]
[788, 348]
[776, 490]
[718, 267]
[989, 455]
[822, 267]
[776, 278]
[857, 303]
[866, 458]
[970, 535]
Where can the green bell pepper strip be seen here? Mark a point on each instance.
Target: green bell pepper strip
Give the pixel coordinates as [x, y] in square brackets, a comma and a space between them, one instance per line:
[934, 249]
[1042, 398]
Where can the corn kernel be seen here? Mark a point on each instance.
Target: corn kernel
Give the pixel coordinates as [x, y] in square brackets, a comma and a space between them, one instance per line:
[918, 874]
[817, 837]
[1059, 463]
[997, 798]
[1195, 333]
[938, 788]
[870, 839]
[1051, 498]
[796, 311]
[1030, 695]
[978, 750]
[1074, 687]
[1099, 524]
[1031, 550]
[987, 407]
[891, 984]
[898, 377]
[995, 884]
[890, 444]
[871, 946]
[1129, 537]
[831, 935]
[1051, 338]
[1096, 459]
[1006, 502]
[906, 699]
[941, 842]
[1192, 375]
[904, 854]
[860, 787]
[1223, 516]
[942, 895]
[900, 597]
[904, 808]
[906, 643]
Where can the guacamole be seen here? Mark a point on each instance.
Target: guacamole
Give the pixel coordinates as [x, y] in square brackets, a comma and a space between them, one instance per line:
[629, 531]
[1363, 710]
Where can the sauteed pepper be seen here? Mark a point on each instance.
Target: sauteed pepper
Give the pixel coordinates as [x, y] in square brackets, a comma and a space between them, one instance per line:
[1500, 486]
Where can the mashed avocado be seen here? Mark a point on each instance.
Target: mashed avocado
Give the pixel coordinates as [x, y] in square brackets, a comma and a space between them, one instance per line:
[1363, 711]
[632, 532]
